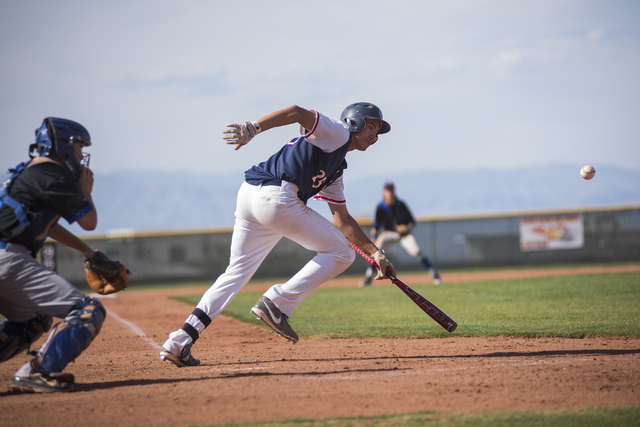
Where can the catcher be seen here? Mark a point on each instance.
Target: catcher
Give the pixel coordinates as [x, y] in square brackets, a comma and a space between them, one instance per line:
[393, 224]
[55, 183]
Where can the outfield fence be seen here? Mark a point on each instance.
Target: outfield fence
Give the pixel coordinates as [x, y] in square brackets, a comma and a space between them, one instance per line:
[577, 236]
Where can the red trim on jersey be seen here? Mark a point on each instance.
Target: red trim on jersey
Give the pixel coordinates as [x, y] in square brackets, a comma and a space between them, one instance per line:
[326, 199]
[315, 125]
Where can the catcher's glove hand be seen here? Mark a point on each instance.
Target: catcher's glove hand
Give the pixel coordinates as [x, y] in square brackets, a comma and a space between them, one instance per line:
[105, 276]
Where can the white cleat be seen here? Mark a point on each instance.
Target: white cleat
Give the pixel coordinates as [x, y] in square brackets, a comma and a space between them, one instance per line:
[186, 359]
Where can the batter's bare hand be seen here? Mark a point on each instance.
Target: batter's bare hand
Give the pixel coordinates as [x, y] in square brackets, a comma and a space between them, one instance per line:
[240, 134]
[384, 265]
[85, 182]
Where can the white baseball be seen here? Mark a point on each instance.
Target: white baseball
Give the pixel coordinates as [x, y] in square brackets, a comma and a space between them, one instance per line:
[587, 172]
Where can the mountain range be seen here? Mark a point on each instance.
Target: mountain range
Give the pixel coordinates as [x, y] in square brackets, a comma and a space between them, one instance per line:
[181, 200]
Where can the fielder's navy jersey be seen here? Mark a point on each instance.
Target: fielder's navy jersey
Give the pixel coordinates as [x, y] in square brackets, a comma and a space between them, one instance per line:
[387, 217]
[304, 163]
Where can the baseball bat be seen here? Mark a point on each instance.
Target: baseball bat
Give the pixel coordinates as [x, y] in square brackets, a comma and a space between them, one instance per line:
[427, 306]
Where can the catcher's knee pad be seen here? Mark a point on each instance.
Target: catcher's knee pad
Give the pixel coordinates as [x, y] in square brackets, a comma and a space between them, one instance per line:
[18, 337]
[71, 336]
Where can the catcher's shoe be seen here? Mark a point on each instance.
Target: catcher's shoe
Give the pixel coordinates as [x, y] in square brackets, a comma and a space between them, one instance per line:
[41, 383]
[185, 358]
[266, 311]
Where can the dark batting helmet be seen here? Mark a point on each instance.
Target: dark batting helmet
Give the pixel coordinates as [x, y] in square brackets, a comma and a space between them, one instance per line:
[56, 137]
[353, 117]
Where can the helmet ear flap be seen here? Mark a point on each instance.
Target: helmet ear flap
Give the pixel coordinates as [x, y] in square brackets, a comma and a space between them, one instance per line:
[51, 131]
[43, 146]
[352, 123]
[33, 151]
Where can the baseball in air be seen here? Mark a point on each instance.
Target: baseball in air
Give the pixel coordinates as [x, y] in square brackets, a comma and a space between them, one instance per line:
[587, 172]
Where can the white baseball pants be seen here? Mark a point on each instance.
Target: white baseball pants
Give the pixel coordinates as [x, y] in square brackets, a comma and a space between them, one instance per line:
[265, 214]
[386, 239]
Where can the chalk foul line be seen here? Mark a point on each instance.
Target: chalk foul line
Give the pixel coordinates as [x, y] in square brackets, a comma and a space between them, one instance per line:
[136, 330]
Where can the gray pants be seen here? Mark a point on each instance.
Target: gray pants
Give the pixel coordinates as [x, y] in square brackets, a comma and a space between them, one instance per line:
[27, 288]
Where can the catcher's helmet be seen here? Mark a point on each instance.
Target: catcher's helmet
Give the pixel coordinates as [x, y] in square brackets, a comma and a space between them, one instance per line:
[56, 137]
[353, 117]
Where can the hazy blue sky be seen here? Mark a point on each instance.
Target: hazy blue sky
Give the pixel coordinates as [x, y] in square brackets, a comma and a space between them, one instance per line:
[493, 84]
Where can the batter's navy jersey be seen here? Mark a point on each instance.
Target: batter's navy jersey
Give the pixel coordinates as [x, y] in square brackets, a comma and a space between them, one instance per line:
[312, 161]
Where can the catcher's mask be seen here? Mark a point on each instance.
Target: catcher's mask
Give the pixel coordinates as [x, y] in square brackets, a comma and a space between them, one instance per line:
[353, 117]
[57, 137]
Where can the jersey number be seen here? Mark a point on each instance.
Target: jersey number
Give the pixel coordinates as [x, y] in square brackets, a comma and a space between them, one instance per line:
[319, 179]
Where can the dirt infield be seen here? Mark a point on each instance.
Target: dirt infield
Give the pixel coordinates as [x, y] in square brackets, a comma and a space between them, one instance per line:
[248, 374]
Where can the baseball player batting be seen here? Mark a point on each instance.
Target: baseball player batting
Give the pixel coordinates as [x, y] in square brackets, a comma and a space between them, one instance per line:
[271, 204]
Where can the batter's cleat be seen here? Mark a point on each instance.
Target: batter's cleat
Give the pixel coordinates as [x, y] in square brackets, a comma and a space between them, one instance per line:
[185, 358]
[365, 282]
[41, 383]
[266, 311]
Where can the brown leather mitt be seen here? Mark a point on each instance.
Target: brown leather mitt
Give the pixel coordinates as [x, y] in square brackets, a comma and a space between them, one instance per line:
[402, 229]
[105, 276]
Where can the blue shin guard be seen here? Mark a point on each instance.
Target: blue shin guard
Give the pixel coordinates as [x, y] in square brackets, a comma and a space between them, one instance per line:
[71, 336]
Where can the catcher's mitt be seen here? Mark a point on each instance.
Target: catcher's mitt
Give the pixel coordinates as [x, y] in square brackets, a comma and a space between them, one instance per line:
[105, 276]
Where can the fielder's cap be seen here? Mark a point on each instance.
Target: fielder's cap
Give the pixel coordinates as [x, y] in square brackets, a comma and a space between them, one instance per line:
[389, 186]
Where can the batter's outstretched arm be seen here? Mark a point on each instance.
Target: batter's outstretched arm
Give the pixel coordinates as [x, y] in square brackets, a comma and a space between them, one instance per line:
[287, 116]
[351, 229]
[239, 134]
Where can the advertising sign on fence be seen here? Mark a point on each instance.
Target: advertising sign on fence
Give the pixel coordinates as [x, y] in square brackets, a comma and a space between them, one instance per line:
[545, 233]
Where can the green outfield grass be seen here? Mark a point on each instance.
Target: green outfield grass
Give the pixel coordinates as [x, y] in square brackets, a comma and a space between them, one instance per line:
[564, 306]
[592, 417]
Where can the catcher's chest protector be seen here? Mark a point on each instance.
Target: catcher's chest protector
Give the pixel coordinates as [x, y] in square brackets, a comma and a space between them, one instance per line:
[20, 209]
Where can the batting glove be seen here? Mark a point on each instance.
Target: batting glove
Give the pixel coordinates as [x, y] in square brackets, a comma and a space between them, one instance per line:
[239, 134]
[384, 265]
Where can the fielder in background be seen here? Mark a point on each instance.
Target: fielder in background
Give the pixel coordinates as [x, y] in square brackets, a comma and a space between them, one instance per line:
[393, 224]
[271, 204]
[55, 183]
